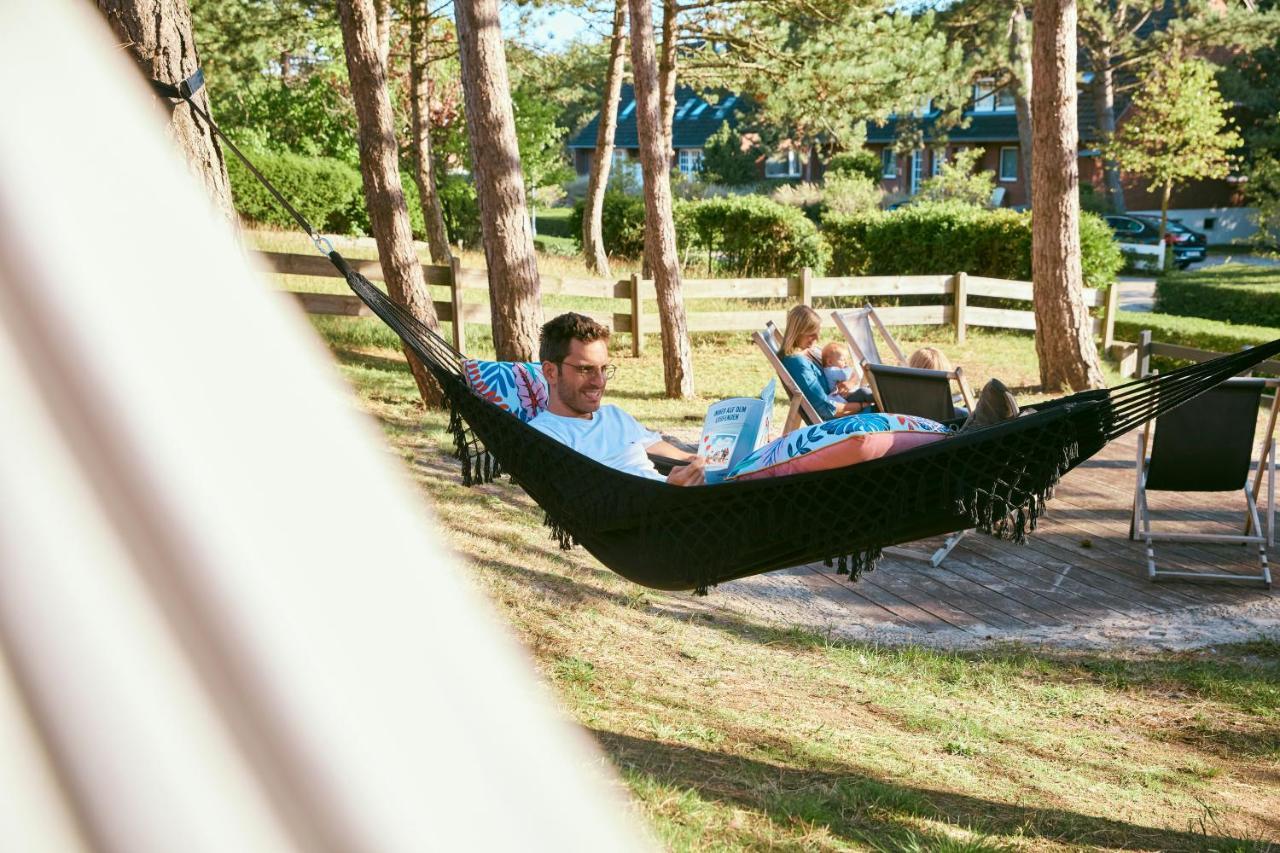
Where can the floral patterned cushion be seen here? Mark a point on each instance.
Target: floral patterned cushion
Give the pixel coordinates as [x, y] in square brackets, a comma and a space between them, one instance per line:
[837, 443]
[516, 386]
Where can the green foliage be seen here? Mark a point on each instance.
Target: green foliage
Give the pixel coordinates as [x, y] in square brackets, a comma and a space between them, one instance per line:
[930, 238]
[328, 192]
[311, 116]
[752, 235]
[1177, 129]
[1092, 201]
[858, 162]
[540, 139]
[1263, 191]
[1234, 293]
[851, 193]
[958, 181]
[727, 159]
[1197, 332]
[461, 211]
[621, 224]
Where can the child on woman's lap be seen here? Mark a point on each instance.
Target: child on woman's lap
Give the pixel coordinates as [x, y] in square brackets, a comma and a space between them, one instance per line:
[843, 378]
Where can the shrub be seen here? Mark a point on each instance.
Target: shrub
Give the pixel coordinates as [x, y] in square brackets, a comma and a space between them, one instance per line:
[851, 193]
[860, 162]
[727, 159]
[621, 223]
[752, 235]
[1234, 293]
[957, 181]
[1196, 332]
[326, 191]
[931, 237]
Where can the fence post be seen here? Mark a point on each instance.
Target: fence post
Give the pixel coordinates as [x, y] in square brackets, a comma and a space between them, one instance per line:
[455, 297]
[1109, 319]
[637, 313]
[960, 301]
[1144, 354]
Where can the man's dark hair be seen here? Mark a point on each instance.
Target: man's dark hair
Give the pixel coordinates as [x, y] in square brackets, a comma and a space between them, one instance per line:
[559, 331]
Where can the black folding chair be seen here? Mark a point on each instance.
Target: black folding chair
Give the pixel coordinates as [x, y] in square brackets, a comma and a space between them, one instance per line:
[1206, 445]
[912, 391]
[926, 394]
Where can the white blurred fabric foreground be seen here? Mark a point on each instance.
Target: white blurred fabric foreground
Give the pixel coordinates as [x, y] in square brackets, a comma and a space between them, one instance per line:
[227, 620]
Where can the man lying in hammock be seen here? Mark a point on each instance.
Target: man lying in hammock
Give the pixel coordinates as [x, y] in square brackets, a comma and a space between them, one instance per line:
[575, 360]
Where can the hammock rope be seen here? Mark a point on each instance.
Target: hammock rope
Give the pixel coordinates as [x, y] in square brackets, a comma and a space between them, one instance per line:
[996, 479]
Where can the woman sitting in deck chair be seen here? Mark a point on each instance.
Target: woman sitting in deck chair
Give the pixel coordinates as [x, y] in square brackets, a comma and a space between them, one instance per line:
[799, 356]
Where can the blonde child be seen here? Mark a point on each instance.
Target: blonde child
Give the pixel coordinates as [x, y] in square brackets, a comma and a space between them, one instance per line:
[929, 358]
[842, 376]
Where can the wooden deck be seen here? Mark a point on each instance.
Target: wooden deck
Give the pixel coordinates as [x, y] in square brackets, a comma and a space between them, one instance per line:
[1079, 580]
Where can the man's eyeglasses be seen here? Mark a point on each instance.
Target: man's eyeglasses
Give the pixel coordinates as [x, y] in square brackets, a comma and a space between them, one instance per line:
[586, 371]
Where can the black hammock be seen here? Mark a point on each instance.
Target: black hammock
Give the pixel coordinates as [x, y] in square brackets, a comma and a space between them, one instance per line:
[667, 537]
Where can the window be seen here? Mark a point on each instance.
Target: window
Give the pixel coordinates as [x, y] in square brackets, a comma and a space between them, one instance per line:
[690, 160]
[917, 171]
[983, 100]
[888, 164]
[784, 164]
[1210, 223]
[1005, 100]
[1009, 163]
[937, 161]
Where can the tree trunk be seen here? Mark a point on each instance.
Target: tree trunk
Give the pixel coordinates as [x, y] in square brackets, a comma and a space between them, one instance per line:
[380, 173]
[1164, 223]
[1064, 333]
[1104, 93]
[158, 34]
[602, 158]
[420, 118]
[382, 10]
[659, 224]
[667, 74]
[1020, 54]
[514, 298]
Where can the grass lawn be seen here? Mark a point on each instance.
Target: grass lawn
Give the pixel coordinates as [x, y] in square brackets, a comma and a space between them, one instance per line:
[736, 735]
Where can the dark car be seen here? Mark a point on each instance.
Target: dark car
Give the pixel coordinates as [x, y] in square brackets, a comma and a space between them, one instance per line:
[1188, 246]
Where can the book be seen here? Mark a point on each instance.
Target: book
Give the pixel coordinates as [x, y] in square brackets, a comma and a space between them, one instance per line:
[732, 429]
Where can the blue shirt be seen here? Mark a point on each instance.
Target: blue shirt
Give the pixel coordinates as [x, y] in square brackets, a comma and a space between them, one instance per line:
[610, 436]
[808, 375]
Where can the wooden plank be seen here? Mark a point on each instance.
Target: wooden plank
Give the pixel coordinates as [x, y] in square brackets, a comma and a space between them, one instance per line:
[978, 600]
[916, 315]
[713, 321]
[569, 286]
[1026, 606]
[336, 304]
[1000, 318]
[901, 609]
[928, 595]
[999, 287]
[722, 288]
[1198, 355]
[883, 285]
[287, 263]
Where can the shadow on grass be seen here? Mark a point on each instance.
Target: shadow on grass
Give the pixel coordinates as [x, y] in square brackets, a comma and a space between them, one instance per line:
[883, 815]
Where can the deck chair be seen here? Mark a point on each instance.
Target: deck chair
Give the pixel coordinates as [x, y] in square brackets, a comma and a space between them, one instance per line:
[926, 394]
[856, 326]
[801, 410]
[1182, 460]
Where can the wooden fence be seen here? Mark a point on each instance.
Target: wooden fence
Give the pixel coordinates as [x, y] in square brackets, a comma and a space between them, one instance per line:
[1135, 359]
[957, 290]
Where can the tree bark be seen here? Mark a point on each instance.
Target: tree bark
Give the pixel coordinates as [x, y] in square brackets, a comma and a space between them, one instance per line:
[1020, 54]
[593, 247]
[667, 74]
[659, 224]
[514, 298]
[1104, 93]
[382, 10]
[1064, 333]
[379, 169]
[158, 34]
[420, 118]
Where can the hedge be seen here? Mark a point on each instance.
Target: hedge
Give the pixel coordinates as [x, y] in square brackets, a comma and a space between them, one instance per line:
[621, 223]
[1195, 332]
[327, 192]
[752, 235]
[330, 194]
[1235, 293]
[929, 238]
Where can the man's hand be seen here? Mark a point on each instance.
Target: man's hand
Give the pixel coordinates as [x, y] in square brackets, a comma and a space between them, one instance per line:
[693, 474]
[846, 387]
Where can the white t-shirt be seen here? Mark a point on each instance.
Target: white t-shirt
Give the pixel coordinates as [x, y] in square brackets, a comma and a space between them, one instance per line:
[610, 436]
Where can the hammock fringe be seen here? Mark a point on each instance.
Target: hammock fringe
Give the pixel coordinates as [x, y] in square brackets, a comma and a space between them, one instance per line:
[559, 533]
